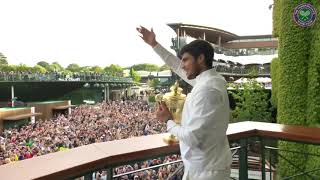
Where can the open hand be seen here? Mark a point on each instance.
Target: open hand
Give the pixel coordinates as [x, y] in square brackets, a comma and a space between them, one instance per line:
[163, 114]
[148, 36]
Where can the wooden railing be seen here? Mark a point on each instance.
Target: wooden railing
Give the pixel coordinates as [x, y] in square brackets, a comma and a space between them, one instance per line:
[85, 159]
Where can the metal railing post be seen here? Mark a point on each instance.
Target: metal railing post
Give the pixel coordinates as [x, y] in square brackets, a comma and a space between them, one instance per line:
[263, 159]
[110, 173]
[243, 158]
[88, 176]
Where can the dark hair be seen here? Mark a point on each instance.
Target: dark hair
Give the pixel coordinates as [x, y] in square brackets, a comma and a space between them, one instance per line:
[198, 47]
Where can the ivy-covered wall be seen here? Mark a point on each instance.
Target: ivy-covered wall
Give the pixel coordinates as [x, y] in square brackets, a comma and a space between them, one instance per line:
[275, 81]
[313, 112]
[276, 18]
[297, 87]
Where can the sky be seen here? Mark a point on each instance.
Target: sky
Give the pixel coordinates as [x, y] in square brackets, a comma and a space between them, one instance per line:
[102, 32]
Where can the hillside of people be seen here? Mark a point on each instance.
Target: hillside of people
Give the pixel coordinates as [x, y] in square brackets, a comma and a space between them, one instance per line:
[102, 122]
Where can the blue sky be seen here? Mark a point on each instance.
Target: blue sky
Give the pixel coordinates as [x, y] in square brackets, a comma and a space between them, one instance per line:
[102, 32]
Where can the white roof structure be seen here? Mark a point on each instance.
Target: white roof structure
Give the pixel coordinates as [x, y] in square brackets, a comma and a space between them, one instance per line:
[166, 73]
[253, 59]
[259, 79]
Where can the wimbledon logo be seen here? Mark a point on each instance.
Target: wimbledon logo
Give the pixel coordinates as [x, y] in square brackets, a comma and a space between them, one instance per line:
[305, 15]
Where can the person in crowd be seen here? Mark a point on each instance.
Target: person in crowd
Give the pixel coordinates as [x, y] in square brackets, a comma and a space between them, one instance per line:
[87, 124]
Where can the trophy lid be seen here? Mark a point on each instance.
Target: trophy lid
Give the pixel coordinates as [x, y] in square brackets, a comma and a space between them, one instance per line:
[176, 92]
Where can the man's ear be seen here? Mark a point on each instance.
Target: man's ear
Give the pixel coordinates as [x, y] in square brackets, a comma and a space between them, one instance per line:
[201, 59]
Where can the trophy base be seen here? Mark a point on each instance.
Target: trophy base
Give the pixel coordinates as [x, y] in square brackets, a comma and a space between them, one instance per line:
[170, 139]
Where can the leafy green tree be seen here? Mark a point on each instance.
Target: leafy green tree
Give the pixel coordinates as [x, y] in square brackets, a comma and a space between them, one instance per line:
[85, 69]
[164, 67]
[114, 70]
[8, 68]
[73, 67]
[96, 69]
[145, 67]
[55, 66]
[3, 59]
[134, 75]
[39, 69]
[252, 103]
[44, 64]
[23, 68]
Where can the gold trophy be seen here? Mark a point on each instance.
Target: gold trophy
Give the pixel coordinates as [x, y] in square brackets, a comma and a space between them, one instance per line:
[174, 101]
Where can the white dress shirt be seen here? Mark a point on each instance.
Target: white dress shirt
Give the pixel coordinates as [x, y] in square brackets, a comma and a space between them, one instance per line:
[202, 134]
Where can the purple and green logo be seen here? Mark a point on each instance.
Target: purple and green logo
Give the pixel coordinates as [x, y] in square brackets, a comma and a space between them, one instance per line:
[305, 15]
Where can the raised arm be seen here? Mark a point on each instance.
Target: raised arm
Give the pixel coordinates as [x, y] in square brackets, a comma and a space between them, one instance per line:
[171, 60]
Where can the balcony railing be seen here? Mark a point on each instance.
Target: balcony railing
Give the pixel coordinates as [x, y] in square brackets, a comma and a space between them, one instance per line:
[85, 160]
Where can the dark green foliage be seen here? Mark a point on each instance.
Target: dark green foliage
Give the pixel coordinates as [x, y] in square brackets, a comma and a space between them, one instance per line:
[164, 67]
[73, 67]
[145, 67]
[45, 65]
[313, 112]
[113, 70]
[275, 81]
[292, 94]
[286, 169]
[276, 18]
[252, 103]
[134, 75]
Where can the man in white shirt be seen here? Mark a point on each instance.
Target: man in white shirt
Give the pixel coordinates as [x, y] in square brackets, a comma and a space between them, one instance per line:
[202, 134]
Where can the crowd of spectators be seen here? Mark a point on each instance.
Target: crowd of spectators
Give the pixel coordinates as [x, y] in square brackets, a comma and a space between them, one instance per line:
[106, 121]
[56, 76]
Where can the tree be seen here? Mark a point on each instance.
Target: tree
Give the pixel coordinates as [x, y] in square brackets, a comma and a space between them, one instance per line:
[85, 69]
[134, 75]
[23, 68]
[145, 67]
[3, 59]
[55, 66]
[39, 69]
[252, 103]
[73, 67]
[8, 68]
[164, 67]
[114, 70]
[44, 64]
[96, 69]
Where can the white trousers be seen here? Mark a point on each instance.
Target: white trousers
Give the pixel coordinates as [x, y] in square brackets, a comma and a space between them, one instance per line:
[206, 175]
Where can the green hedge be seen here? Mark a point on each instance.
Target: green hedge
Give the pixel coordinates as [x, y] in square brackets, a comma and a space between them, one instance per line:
[294, 46]
[252, 103]
[276, 18]
[275, 81]
[313, 113]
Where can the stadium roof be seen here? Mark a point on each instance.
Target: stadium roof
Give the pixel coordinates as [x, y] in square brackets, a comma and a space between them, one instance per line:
[211, 34]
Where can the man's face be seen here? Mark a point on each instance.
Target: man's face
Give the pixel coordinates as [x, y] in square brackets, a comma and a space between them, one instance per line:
[190, 65]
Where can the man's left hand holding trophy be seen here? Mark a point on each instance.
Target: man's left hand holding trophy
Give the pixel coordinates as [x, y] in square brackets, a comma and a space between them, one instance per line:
[162, 113]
